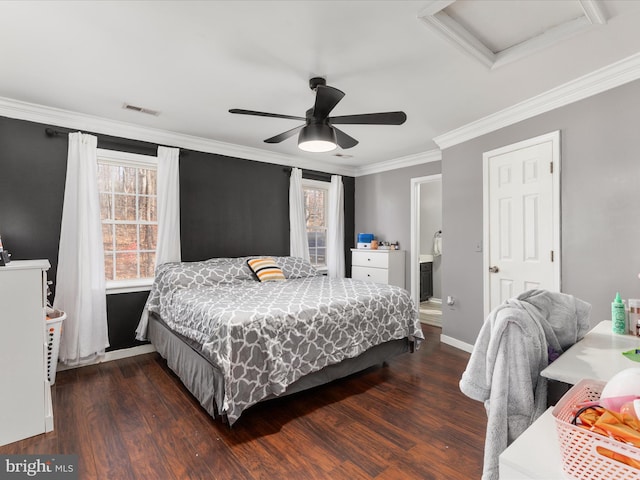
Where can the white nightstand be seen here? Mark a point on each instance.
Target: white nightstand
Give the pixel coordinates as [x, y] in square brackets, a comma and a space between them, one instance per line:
[380, 266]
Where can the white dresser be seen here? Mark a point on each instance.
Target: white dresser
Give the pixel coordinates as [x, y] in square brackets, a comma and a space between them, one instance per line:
[380, 266]
[25, 402]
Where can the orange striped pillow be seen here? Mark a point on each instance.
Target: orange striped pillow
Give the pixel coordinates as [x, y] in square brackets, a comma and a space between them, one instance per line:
[266, 269]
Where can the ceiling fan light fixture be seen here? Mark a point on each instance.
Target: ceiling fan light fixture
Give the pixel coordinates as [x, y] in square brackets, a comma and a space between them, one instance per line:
[317, 138]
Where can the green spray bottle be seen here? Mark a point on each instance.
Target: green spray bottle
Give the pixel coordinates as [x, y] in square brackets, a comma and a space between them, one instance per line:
[618, 316]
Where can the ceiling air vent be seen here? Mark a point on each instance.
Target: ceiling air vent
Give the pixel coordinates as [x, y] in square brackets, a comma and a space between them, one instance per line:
[148, 111]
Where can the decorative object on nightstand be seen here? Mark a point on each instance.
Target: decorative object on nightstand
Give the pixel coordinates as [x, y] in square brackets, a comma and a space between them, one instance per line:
[380, 266]
[365, 240]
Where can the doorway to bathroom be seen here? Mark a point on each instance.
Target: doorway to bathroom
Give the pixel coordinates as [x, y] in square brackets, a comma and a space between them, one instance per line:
[426, 247]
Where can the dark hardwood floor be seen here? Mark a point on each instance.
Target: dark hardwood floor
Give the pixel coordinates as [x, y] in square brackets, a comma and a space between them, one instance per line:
[133, 419]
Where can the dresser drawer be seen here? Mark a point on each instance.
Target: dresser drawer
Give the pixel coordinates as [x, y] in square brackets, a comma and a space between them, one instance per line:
[378, 275]
[369, 259]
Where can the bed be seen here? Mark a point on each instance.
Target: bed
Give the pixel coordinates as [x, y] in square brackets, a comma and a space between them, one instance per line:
[235, 341]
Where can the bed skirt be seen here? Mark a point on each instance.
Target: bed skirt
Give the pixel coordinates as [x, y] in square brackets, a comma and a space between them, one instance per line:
[206, 382]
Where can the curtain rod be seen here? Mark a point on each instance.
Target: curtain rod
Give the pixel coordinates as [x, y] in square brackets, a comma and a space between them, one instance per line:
[50, 132]
[311, 174]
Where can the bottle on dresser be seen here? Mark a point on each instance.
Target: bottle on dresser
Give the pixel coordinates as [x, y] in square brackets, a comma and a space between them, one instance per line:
[618, 316]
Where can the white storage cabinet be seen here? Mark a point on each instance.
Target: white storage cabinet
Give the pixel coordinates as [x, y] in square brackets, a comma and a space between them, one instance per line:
[380, 266]
[25, 401]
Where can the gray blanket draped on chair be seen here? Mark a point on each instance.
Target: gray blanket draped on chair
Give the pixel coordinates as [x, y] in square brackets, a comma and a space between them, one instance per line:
[511, 350]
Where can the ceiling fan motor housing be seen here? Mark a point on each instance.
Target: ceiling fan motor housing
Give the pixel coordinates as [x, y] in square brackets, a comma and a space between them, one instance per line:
[315, 81]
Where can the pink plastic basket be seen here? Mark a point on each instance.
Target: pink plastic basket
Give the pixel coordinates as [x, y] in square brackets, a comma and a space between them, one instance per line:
[580, 448]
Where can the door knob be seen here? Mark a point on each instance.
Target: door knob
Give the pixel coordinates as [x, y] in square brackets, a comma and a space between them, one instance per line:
[494, 269]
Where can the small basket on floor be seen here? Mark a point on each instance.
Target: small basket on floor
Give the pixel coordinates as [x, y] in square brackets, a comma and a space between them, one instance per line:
[583, 452]
[54, 328]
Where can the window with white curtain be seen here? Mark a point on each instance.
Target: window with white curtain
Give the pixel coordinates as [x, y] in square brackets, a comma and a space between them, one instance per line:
[127, 185]
[316, 205]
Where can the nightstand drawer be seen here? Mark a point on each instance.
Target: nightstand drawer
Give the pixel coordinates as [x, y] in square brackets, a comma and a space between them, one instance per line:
[369, 259]
[378, 275]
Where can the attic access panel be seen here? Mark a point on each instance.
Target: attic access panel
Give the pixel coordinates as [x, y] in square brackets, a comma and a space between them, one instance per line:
[496, 32]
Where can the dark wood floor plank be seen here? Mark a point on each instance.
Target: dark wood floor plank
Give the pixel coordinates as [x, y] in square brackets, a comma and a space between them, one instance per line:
[71, 427]
[133, 419]
[348, 471]
[220, 459]
[109, 451]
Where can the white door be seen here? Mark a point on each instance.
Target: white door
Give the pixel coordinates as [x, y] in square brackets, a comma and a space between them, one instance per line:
[522, 220]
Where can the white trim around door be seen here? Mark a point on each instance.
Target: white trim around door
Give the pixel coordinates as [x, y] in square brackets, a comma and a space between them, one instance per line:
[415, 233]
[554, 167]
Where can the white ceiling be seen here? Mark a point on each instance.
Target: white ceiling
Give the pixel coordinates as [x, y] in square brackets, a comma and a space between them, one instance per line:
[193, 61]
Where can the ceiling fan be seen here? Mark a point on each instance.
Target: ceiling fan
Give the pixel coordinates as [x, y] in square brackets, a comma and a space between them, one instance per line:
[318, 133]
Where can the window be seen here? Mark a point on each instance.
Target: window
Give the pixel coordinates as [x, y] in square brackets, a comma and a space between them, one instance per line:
[128, 210]
[316, 203]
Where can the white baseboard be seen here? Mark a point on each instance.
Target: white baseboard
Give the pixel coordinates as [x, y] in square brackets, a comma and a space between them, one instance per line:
[456, 343]
[435, 300]
[113, 355]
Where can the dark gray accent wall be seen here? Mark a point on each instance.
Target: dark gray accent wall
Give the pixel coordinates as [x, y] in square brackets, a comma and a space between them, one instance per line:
[229, 207]
[383, 206]
[232, 208]
[600, 206]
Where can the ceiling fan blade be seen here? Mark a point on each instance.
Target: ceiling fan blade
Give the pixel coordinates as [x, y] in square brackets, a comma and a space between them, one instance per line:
[345, 141]
[264, 114]
[383, 118]
[326, 99]
[284, 135]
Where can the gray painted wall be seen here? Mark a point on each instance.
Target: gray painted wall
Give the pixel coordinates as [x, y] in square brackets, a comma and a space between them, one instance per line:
[383, 206]
[600, 197]
[430, 223]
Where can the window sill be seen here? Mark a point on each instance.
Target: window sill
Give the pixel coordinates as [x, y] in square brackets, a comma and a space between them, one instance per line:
[129, 286]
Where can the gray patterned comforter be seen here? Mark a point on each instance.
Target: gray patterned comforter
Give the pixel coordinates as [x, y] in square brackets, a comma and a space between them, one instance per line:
[265, 336]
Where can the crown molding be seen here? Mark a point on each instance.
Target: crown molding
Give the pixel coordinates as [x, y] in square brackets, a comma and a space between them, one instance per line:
[614, 75]
[400, 162]
[73, 120]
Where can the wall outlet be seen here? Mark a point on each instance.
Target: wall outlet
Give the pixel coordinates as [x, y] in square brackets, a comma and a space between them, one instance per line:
[478, 247]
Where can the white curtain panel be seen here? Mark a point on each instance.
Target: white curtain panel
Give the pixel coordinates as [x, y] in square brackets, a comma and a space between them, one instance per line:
[80, 280]
[168, 241]
[168, 246]
[335, 229]
[299, 245]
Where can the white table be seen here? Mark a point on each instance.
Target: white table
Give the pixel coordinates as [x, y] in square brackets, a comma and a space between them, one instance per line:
[535, 454]
[598, 356]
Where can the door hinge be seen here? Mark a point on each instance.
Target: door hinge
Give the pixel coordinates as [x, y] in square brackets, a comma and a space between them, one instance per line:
[552, 255]
[550, 167]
